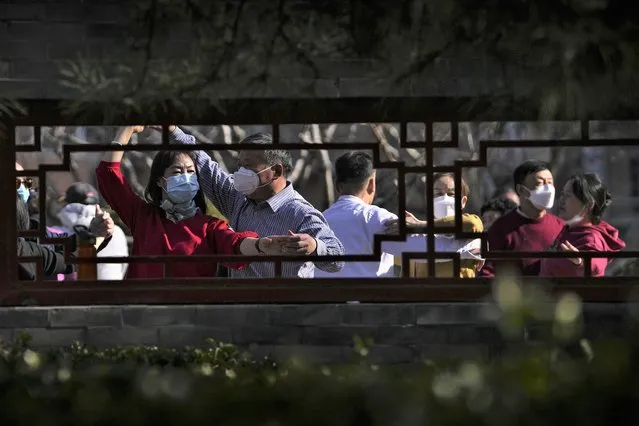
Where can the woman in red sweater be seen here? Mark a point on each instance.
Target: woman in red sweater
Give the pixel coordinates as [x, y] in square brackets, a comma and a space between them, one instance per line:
[171, 219]
[582, 204]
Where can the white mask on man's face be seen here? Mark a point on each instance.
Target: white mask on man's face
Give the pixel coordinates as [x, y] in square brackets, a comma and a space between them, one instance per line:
[247, 181]
[542, 197]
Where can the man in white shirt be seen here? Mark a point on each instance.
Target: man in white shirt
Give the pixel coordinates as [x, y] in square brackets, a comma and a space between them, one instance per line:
[355, 220]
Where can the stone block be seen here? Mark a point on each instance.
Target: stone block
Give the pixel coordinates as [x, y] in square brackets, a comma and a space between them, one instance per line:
[107, 30]
[231, 315]
[605, 312]
[179, 336]
[304, 314]
[121, 336]
[24, 317]
[68, 50]
[40, 70]
[411, 335]
[280, 335]
[390, 354]
[472, 334]
[31, 49]
[85, 316]
[48, 337]
[21, 11]
[337, 335]
[6, 336]
[447, 351]
[155, 316]
[102, 12]
[378, 314]
[448, 313]
[316, 354]
[66, 11]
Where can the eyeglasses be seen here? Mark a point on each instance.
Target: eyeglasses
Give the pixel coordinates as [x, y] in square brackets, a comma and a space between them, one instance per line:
[28, 182]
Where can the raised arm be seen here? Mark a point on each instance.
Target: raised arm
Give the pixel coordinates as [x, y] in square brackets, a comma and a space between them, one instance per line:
[216, 183]
[113, 185]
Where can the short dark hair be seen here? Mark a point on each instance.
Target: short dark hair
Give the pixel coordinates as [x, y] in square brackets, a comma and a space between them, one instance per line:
[162, 160]
[589, 189]
[22, 215]
[500, 204]
[271, 156]
[502, 190]
[526, 168]
[465, 190]
[352, 171]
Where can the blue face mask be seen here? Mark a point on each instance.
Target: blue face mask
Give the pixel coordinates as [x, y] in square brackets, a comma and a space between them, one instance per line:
[23, 192]
[182, 188]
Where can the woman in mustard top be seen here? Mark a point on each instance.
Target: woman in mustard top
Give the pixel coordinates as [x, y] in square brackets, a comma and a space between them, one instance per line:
[444, 212]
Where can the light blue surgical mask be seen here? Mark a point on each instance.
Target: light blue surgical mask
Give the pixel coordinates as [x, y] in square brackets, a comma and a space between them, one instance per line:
[182, 188]
[23, 192]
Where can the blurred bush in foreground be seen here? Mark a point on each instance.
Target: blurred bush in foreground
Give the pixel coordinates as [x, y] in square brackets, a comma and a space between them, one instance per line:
[563, 380]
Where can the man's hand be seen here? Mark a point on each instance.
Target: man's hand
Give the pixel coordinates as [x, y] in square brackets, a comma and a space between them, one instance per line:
[159, 128]
[295, 244]
[392, 226]
[567, 246]
[102, 224]
[271, 245]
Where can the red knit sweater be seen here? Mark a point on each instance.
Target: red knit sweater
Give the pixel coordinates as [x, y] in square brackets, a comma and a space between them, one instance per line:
[514, 232]
[154, 234]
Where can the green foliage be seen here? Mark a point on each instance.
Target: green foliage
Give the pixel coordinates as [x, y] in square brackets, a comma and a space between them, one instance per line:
[557, 381]
[221, 385]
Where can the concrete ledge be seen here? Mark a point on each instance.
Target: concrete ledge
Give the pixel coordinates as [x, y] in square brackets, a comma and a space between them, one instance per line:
[401, 332]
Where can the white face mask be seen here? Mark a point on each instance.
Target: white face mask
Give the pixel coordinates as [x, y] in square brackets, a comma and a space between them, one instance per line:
[542, 197]
[443, 206]
[575, 219]
[247, 181]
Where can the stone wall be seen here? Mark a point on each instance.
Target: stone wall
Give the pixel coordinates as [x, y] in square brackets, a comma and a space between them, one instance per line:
[401, 333]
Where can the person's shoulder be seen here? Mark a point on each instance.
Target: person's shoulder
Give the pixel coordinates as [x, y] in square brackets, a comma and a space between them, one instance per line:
[505, 220]
[554, 219]
[376, 212]
[298, 205]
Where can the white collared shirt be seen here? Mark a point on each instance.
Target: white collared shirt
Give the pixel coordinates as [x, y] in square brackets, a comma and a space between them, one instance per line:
[355, 224]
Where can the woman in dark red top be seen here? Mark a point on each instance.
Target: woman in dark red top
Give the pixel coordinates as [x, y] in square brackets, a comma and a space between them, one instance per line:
[582, 204]
[171, 219]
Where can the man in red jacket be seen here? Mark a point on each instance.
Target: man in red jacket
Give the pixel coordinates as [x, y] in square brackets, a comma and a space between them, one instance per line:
[530, 227]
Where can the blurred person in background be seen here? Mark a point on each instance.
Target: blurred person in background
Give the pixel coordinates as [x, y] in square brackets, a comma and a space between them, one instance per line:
[81, 207]
[530, 227]
[53, 262]
[582, 203]
[507, 192]
[100, 226]
[494, 209]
